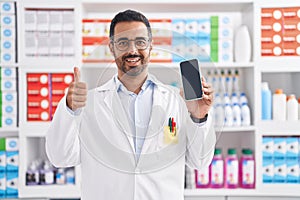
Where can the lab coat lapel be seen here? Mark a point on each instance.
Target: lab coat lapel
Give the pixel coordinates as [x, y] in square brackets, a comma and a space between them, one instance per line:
[112, 100]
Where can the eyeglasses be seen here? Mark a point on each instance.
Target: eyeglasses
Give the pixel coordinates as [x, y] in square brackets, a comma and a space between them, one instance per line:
[124, 43]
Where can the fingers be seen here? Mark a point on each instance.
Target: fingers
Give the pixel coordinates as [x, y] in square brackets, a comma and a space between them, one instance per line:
[76, 74]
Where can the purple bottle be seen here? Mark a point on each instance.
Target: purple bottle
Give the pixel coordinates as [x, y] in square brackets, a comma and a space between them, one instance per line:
[247, 169]
[231, 169]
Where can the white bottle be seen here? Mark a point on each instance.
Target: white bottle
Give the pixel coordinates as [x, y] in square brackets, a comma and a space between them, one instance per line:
[243, 99]
[246, 116]
[218, 99]
[237, 117]
[226, 99]
[235, 80]
[229, 83]
[234, 99]
[215, 81]
[292, 108]
[228, 115]
[279, 105]
[219, 116]
[242, 45]
[222, 86]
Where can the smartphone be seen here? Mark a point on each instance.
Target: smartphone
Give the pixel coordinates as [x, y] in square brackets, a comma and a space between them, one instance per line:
[191, 79]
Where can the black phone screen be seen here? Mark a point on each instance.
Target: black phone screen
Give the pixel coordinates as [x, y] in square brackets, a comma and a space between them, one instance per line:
[191, 79]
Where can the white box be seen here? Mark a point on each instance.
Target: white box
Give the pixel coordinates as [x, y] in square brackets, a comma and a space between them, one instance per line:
[292, 147]
[8, 84]
[8, 57]
[12, 160]
[279, 147]
[55, 20]
[55, 44]
[93, 52]
[225, 20]
[9, 97]
[161, 28]
[12, 144]
[9, 121]
[12, 184]
[267, 147]
[68, 46]
[8, 33]
[8, 45]
[7, 7]
[178, 48]
[2, 161]
[30, 20]
[42, 20]
[225, 33]
[9, 108]
[31, 44]
[292, 171]
[8, 72]
[161, 54]
[68, 20]
[225, 46]
[43, 46]
[8, 20]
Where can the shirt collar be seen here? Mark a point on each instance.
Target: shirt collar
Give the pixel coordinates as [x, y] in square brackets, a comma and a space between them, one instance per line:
[120, 87]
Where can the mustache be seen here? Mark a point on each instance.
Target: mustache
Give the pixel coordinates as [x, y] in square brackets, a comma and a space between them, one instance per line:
[132, 56]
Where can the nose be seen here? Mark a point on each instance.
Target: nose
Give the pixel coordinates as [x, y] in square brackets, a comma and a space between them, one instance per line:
[132, 48]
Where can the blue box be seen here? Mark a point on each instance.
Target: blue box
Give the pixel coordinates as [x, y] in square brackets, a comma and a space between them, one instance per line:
[292, 171]
[204, 49]
[191, 28]
[279, 147]
[2, 184]
[2, 161]
[267, 147]
[191, 48]
[268, 170]
[178, 27]
[12, 161]
[204, 28]
[279, 171]
[178, 48]
[12, 184]
[292, 148]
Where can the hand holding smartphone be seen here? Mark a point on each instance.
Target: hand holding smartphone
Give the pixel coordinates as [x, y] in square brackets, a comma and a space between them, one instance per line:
[191, 79]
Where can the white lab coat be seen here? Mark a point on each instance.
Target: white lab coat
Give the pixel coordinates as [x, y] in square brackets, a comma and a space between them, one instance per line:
[99, 139]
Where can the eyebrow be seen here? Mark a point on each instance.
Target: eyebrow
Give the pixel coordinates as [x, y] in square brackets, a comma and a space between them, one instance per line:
[125, 38]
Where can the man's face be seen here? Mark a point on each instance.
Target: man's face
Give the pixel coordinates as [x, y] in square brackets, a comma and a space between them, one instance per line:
[131, 47]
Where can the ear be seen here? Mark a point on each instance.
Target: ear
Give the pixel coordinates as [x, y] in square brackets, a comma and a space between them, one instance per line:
[111, 47]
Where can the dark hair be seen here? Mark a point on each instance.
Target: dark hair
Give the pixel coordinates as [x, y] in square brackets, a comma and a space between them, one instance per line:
[129, 16]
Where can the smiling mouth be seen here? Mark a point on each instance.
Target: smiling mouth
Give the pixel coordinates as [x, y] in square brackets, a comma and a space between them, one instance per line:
[133, 60]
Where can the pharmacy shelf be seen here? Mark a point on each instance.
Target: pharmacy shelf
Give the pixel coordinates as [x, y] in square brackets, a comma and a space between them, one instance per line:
[206, 65]
[50, 191]
[279, 64]
[280, 189]
[35, 129]
[236, 129]
[279, 128]
[9, 132]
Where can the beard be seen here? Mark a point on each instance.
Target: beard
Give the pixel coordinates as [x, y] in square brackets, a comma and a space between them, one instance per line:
[133, 64]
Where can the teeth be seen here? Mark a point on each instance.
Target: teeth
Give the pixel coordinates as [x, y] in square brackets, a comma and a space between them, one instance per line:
[132, 60]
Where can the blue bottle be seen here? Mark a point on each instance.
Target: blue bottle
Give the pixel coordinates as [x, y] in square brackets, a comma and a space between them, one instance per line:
[266, 102]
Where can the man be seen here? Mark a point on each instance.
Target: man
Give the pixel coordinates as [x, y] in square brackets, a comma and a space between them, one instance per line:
[132, 135]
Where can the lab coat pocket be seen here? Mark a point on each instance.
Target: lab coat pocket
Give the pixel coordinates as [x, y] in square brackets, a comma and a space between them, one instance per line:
[170, 136]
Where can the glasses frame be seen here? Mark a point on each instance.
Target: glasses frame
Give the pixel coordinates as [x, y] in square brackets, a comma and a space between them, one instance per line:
[134, 40]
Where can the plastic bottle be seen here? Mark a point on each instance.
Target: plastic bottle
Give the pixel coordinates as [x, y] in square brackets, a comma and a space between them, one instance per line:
[246, 115]
[47, 174]
[70, 176]
[217, 170]
[266, 102]
[243, 98]
[235, 80]
[189, 178]
[236, 113]
[219, 115]
[228, 115]
[226, 99]
[60, 176]
[222, 86]
[218, 99]
[231, 169]
[215, 82]
[202, 178]
[279, 105]
[242, 47]
[229, 83]
[247, 169]
[292, 108]
[32, 174]
[234, 99]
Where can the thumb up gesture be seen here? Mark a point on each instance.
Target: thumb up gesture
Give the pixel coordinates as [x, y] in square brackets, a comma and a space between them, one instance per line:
[77, 93]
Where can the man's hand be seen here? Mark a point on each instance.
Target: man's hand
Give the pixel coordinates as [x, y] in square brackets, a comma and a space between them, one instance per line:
[77, 93]
[200, 107]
